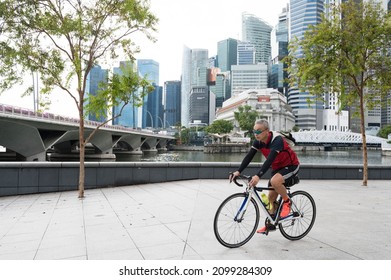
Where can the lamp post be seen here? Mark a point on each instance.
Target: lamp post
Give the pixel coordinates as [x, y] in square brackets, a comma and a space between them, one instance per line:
[35, 92]
[150, 117]
[169, 125]
[161, 121]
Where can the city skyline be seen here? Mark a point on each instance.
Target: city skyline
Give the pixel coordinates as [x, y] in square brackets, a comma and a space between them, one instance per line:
[185, 15]
[200, 29]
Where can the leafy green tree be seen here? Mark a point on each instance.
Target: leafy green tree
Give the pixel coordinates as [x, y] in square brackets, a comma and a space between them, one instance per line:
[246, 118]
[295, 128]
[348, 56]
[63, 39]
[220, 127]
[384, 131]
[127, 88]
[185, 135]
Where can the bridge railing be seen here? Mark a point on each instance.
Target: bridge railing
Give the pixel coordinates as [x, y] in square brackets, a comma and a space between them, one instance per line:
[319, 137]
[24, 112]
[28, 113]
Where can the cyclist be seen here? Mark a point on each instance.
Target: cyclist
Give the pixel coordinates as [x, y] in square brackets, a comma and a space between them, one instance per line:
[279, 156]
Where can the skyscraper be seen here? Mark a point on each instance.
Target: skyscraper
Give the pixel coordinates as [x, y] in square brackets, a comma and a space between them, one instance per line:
[278, 74]
[227, 56]
[129, 115]
[199, 105]
[150, 69]
[194, 74]
[257, 31]
[172, 102]
[304, 13]
[96, 75]
[386, 110]
[152, 108]
[246, 53]
[245, 77]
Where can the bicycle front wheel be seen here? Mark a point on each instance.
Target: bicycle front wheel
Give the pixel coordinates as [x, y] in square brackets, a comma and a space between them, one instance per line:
[299, 223]
[233, 225]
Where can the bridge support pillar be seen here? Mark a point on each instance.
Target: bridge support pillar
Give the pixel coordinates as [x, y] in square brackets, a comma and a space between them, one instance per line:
[150, 151]
[38, 157]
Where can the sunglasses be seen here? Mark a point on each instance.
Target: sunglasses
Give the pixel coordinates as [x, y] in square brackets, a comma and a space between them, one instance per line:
[258, 131]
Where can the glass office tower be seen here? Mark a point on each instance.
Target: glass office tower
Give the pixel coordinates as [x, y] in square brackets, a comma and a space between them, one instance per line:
[96, 75]
[129, 116]
[172, 103]
[194, 74]
[304, 13]
[257, 31]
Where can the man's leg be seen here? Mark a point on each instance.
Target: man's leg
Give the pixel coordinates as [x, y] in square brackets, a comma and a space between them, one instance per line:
[277, 182]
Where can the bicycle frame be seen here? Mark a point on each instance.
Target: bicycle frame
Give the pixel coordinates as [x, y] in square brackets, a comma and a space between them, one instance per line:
[253, 192]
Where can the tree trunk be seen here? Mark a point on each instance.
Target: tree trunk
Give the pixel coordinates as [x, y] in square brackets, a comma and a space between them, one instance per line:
[81, 152]
[364, 141]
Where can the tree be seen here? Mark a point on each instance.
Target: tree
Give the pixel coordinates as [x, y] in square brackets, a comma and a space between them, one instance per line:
[347, 54]
[220, 126]
[185, 135]
[127, 88]
[385, 131]
[63, 39]
[246, 118]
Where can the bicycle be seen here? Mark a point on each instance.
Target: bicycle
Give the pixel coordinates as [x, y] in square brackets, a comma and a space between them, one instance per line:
[237, 217]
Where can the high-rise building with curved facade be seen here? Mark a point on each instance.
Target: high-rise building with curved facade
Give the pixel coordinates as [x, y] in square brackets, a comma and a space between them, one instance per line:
[257, 32]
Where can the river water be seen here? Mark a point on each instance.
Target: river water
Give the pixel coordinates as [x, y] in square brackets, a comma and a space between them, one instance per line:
[310, 157]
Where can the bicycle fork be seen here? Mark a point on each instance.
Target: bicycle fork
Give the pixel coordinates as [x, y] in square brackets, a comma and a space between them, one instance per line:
[243, 208]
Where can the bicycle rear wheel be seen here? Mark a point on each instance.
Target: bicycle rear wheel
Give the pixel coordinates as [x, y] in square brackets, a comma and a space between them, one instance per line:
[299, 223]
[233, 231]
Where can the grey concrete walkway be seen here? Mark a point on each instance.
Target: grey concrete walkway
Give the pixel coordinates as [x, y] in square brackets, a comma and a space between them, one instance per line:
[174, 220]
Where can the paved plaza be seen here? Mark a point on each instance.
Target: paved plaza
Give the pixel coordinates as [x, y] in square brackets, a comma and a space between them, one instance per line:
[174, 221]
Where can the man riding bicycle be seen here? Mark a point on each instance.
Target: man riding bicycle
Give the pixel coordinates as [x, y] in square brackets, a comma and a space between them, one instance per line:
[279, 156]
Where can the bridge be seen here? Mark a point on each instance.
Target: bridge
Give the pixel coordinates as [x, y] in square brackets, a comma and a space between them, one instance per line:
[34, 136]
[335, 139]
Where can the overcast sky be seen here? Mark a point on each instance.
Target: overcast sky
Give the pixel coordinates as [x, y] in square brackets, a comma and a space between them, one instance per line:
[200, 24]
[191, 23]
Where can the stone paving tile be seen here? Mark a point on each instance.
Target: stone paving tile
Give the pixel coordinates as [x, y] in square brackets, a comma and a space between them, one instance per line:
[174, 221]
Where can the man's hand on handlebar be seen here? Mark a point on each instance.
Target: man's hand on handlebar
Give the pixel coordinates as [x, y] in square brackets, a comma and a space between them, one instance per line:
[232, 175]
[254, 181]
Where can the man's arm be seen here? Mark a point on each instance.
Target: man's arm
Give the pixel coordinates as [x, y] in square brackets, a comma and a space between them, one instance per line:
[247, 159]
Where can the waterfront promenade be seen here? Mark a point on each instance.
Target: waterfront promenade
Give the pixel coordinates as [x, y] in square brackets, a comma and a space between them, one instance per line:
[174, 221]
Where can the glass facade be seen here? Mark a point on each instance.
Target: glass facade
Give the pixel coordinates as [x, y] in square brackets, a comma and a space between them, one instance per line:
[257, 31]
[246, 77]
[172, 101]
[96, 75]
[304, 13]
[278, 74]
[194, 74]
[199, 104]
[129, 115]
[152, 108]
[246, 53]
[227, 56]
[152, 112]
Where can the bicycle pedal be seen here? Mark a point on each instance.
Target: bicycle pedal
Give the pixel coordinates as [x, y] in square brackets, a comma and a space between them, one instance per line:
[271, 228]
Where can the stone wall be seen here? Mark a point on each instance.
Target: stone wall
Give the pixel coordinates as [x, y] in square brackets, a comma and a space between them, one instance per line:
[38, 177]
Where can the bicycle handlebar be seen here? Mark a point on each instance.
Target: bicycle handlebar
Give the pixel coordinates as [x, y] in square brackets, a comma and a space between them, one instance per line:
[243, 177]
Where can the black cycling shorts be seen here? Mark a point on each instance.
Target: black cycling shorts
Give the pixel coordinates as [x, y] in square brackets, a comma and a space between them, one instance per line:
[287, 172]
